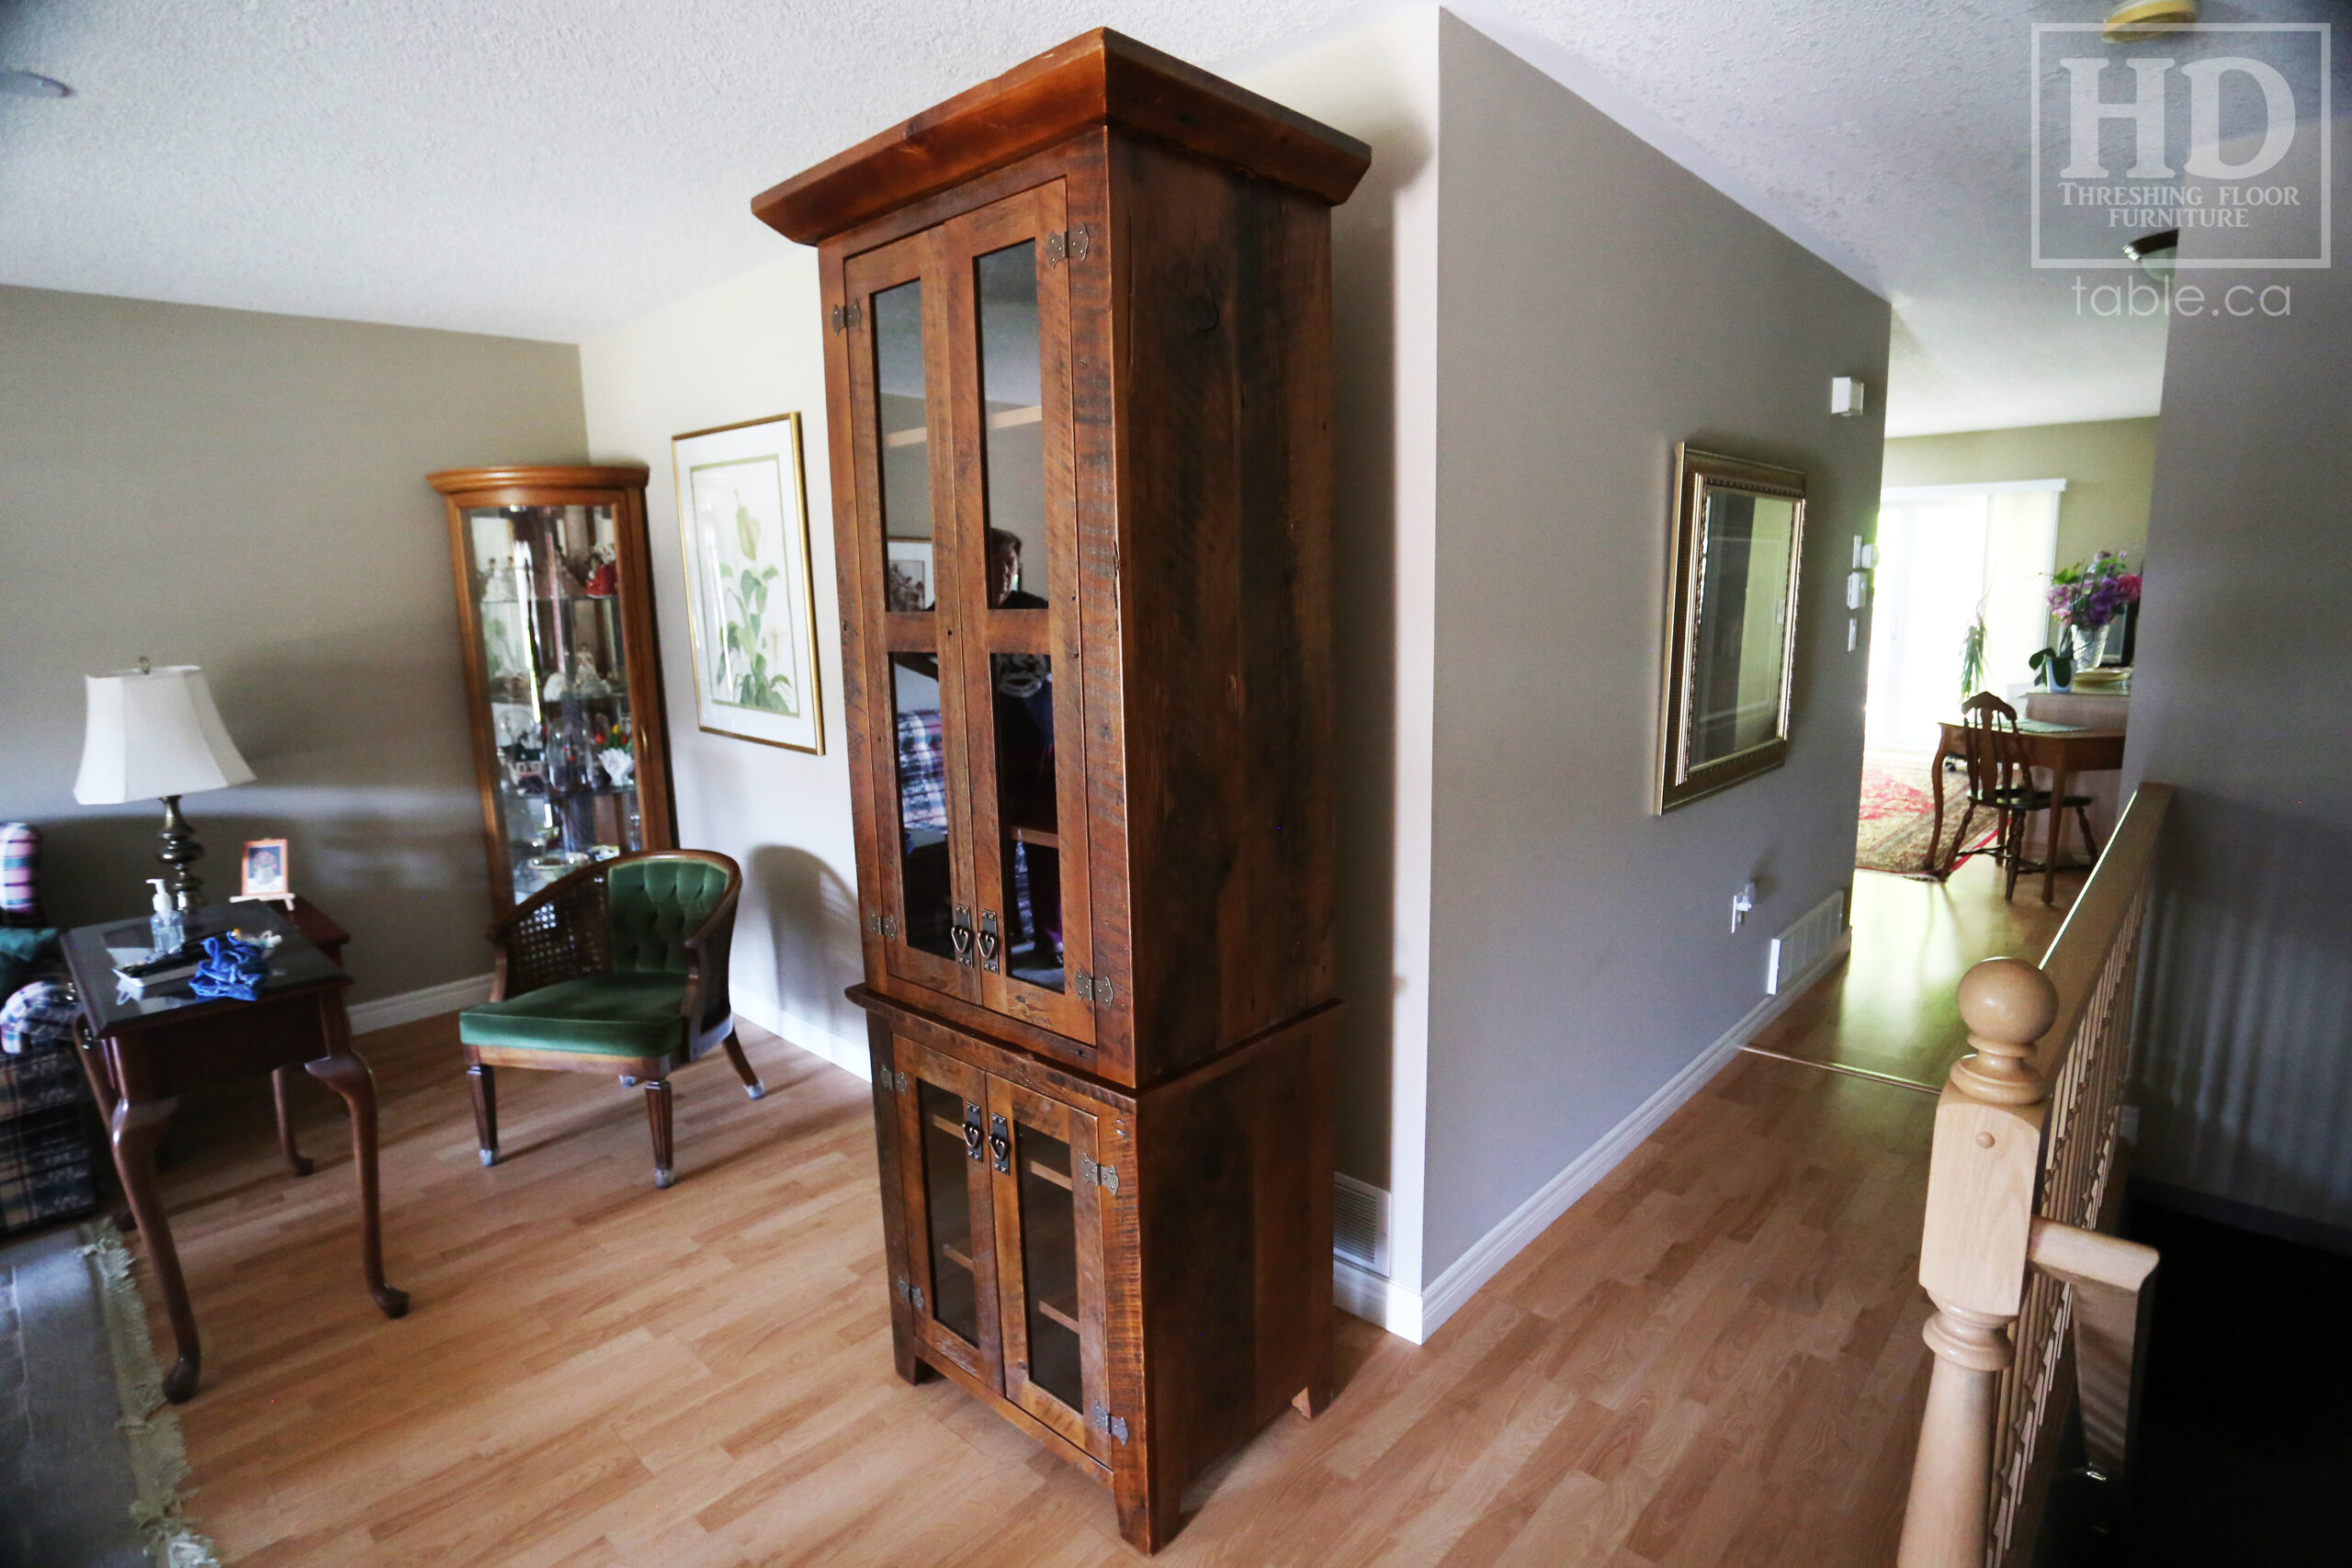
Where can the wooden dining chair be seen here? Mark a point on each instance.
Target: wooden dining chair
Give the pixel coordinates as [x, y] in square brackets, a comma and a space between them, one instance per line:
[620, 968]
[2001, 780]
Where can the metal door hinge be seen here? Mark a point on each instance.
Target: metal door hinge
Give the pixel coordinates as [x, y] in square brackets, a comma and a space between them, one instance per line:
[1094, 988]
[897, 1080]
[1067, 244]
[882, 925]
[911, 1294]
[1103, 1175]
[1116, 1425]
[844, 318]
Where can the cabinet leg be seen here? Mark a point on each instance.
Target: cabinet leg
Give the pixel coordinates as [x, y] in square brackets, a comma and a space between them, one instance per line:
[1148, 1520]
[281, 1088]
[484, 1089]
[657, 1113]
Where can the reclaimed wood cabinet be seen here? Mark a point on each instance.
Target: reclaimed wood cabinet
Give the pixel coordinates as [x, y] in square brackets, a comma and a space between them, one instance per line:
[1078, 389]
[563, 677]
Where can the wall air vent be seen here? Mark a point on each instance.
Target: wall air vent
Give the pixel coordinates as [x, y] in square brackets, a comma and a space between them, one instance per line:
[1360, 1224]
[1798, 948]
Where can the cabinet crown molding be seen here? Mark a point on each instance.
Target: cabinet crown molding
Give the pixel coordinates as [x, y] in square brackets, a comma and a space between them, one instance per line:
[1100, 78]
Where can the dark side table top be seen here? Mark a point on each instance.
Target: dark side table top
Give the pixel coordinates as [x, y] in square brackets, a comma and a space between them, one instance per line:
[297, 963]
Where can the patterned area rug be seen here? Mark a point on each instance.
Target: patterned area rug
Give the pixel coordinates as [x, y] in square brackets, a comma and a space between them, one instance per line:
[92, 1470]
[1899, 819]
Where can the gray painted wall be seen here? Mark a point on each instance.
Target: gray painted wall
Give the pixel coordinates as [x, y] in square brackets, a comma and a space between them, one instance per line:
[1597, 304]
[2240, 699]
[246, 492]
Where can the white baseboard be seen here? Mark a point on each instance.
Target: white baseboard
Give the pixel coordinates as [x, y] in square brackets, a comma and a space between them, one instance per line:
[1367, 1295]
[451, 996]
[1416, 1315]
[818, 1041]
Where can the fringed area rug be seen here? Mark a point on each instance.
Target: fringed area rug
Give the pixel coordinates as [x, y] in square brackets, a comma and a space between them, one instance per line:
[92, 1470]
[1899, 821]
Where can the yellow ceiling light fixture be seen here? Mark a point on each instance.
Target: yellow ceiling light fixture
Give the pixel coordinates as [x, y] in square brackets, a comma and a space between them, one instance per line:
[2138, 20]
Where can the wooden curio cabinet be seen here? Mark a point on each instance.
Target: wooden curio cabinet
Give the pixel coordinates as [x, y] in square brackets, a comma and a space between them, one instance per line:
[1079, 388]
[563, 678]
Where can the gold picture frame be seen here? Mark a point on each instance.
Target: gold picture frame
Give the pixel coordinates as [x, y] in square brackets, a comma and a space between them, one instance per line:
[1737, 540]
[751, 594]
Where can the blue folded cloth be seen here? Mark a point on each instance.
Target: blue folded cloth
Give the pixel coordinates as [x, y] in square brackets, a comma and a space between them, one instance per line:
[231, 968]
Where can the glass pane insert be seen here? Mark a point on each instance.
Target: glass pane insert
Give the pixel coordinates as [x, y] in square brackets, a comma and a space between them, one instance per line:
[546, 584]
[1049, 1264]
[947, 1202]
[1014, 415]
[899, 418]
[1740, 630]
[1030, 849]
[924, 864]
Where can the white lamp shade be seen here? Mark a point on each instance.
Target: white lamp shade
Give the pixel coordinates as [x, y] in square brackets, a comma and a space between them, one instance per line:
[152, 735]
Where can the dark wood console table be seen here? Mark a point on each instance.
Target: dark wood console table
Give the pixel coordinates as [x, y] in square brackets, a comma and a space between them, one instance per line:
[142, 1053]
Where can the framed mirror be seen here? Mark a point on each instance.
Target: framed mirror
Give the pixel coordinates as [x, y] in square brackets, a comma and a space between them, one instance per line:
[1739, 537]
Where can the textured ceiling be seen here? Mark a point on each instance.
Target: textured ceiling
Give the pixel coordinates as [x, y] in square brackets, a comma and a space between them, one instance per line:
[545, 168]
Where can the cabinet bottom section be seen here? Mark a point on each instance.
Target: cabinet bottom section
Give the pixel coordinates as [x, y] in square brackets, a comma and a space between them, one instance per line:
[1139, 1280]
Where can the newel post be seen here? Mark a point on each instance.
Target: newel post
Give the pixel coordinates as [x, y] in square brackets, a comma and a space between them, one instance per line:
[1973, 1254]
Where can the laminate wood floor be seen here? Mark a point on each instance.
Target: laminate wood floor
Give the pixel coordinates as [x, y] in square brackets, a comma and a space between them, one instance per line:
[1714, 1357]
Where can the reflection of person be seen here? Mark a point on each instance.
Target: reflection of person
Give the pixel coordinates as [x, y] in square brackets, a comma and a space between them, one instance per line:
[1004, 573]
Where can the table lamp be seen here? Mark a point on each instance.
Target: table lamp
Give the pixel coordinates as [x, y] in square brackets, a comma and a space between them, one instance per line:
[154, 734]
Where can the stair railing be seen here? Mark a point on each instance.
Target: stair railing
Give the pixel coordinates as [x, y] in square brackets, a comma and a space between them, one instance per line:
[2019, 1184]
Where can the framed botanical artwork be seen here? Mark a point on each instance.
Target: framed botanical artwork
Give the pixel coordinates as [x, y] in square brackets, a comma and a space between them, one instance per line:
[743, 528]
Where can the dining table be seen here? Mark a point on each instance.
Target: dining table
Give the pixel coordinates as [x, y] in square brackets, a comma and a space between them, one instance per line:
[2063, 750]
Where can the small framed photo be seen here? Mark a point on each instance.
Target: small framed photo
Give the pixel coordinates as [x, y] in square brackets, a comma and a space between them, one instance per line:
[265, 870]
[909, 584]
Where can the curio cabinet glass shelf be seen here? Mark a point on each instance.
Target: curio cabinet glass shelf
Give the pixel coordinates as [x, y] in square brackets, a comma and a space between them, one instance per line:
[1078, 382]
[562, 677]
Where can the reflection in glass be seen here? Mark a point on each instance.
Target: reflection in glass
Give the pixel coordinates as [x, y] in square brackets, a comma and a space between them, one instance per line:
[1049, 1264]
[1739, 638]
[1012, 404]
[899, 411]
[947, 1200]
[546, 584]
[1030, 850]
[923, 863]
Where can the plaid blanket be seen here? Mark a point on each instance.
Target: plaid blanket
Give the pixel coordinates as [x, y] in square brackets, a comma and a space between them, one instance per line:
[922, 778]
[39, 1017]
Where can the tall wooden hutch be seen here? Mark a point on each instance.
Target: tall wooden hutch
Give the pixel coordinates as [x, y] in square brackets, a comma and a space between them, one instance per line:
[1077, 375]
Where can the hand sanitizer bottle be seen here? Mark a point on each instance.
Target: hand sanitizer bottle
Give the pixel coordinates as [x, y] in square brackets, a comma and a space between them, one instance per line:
[166, 925]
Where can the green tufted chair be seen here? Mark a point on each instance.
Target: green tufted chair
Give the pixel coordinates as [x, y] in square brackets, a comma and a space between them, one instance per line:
[619, 968]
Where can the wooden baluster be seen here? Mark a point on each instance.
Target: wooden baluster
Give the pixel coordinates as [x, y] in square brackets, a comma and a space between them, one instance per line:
[1973, 1254]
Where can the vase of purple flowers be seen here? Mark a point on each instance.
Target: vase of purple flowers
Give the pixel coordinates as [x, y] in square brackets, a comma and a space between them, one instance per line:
[2089, 597]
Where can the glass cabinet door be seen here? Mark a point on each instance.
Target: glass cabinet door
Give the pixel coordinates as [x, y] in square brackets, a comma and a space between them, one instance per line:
[900, 439]
[544, 582]
[1050, 1261]
[945, 1162]
[1015, 608]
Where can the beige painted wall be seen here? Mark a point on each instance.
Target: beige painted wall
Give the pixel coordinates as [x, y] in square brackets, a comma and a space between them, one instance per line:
[1598, 303]
[2245, 1059]
[747, 349]
[2109, 464]
[246, 492]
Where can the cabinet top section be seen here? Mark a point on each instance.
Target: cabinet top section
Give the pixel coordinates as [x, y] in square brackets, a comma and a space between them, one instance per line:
[1097, 78]
[517, 476]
